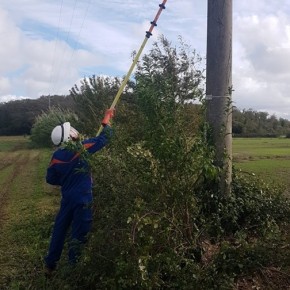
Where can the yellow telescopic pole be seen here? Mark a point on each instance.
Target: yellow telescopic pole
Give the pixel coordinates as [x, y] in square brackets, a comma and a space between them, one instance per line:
[148, 34]
[117, 97]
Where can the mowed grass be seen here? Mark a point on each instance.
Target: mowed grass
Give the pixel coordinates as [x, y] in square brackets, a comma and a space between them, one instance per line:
[10, 143]
[269, 158]
[27, 208]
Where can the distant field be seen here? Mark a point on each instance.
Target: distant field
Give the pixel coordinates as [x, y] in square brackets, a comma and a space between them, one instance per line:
[10, 143]
[268, 158]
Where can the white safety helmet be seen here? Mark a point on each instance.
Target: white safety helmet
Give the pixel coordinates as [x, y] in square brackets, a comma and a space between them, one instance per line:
[63, 133]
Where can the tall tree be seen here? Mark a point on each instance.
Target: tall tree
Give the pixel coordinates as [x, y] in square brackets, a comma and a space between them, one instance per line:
[92, 98]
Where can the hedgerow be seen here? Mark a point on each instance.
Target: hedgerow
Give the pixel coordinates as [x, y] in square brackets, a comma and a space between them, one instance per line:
[160, 220]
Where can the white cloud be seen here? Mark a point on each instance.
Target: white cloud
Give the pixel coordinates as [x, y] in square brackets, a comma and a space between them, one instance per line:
[5, 85]
[48, 45]
[10, 55]
[38, 66]
[8, 98]
[262, 57]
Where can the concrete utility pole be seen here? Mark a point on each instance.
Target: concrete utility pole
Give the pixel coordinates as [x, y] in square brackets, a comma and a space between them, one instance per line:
[219, 85]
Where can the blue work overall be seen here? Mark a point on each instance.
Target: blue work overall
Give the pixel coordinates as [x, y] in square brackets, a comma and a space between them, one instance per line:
[70, 171]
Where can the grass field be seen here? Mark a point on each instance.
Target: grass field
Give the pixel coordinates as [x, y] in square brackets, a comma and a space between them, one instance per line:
[26, 208]
[269, 158]
[28, 205]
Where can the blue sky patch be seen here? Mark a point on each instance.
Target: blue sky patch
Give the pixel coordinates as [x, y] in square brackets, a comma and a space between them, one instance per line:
[18, 72]
[38, 30]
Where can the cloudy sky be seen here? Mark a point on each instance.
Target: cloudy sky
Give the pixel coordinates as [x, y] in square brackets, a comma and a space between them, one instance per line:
[47, 46]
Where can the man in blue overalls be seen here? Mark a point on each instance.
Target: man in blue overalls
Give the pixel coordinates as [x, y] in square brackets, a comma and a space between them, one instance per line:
[70, 171]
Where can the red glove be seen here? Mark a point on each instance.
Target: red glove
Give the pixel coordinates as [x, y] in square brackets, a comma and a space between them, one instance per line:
[108, 115]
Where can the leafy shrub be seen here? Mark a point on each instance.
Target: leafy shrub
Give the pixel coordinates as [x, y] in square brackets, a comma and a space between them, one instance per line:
[44, 124]
[253, 206]
[160, 220]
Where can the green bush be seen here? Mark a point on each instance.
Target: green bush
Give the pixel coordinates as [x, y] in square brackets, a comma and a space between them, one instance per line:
[253, 206]
[155, 226]
[160, 220]
[44, 124]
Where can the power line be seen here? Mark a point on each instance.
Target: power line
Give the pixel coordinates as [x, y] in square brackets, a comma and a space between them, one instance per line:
[58, 74]
[74, 46]
[79, 33]
[53, 55]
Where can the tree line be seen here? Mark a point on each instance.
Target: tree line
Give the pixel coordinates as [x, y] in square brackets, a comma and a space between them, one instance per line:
[250, 123]
[18, 117]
